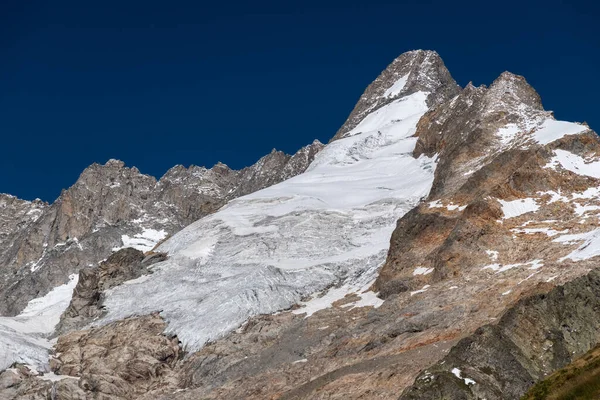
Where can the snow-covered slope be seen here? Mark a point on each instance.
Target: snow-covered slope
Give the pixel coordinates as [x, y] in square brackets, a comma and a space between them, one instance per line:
[24, 338]
[267, 251]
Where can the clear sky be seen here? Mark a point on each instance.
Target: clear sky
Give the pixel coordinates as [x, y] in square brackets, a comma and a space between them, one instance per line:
[160, 83]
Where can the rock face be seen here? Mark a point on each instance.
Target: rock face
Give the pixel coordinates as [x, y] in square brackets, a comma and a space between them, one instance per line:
[489, 283]
[120, 361]
[112, 206]
[537, 336]
[86, 303]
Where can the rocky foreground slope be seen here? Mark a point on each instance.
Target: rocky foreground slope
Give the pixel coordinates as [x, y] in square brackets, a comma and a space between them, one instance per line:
[442, 246]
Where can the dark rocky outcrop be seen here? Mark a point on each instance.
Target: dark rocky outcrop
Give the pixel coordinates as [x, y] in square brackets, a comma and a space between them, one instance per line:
[537, 336]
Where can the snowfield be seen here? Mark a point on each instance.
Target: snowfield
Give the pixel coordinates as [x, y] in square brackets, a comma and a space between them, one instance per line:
[264, 252]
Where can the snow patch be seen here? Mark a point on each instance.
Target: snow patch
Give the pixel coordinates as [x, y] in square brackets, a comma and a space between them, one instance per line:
[532, 231]
[493, 254]
[574, 163]
[551, 130]
[498, 268]
[507, 133]
[588, 249]
[368, 299]
[423, 289]
[518, 207]
[422, 271]
[580, 210]
[397, 87]
[449, 207]
[457, 372]
[395, 111]
[144, 241]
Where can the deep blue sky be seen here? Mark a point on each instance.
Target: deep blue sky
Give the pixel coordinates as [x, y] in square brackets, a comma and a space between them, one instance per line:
[159, 83]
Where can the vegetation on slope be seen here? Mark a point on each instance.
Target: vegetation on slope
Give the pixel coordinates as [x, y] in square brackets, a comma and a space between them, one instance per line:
[579, 380]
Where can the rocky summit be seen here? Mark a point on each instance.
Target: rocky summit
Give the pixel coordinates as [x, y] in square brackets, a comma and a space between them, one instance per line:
[443, 245]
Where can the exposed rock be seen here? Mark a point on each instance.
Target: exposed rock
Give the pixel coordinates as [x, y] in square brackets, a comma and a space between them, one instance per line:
[122, 360]
[537, 336]
[86, 304]
[42, 388]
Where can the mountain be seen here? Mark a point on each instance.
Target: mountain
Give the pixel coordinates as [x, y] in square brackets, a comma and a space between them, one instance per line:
[442, 245]
[112, 206]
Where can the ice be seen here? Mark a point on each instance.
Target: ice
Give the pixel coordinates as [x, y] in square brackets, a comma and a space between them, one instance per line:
[144, 241]
[24, 338]
[326, 228]
[575, 163]
[518, 207]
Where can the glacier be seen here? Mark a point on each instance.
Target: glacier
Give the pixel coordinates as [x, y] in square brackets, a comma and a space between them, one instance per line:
[264, 252]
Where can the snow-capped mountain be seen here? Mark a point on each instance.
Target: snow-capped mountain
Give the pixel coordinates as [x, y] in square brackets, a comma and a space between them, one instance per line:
[439, 246]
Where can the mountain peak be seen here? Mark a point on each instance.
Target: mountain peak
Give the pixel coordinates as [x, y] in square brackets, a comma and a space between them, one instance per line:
[514, 89]
[114, 163]
[411, 72]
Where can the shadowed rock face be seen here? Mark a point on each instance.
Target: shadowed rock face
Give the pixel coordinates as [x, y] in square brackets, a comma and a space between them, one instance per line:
[43, 244]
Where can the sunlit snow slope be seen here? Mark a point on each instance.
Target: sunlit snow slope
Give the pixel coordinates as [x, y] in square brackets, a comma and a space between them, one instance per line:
[266, 251]
[24, 338]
